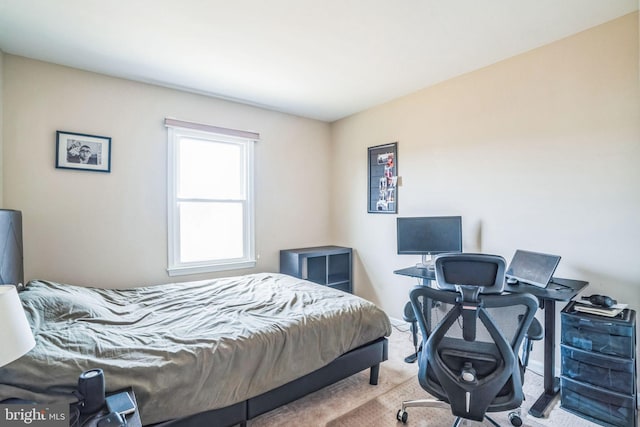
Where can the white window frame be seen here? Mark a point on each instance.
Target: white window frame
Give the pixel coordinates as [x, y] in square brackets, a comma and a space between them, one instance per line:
[178, 129]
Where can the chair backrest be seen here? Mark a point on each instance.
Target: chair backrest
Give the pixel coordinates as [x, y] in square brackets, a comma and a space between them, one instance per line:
[472, 335]
[480, 271]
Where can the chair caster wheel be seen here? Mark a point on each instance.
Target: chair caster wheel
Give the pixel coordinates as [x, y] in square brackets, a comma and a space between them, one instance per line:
[402, 416]
[515, 419]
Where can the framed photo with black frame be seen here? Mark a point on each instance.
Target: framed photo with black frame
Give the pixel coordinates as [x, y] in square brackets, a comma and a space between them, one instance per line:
[83, 152]
[383, 179]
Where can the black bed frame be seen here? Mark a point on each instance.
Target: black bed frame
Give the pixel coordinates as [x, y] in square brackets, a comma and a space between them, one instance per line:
[367, 356]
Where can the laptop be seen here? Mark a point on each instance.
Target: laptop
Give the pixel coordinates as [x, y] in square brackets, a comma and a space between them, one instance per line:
[532, 268]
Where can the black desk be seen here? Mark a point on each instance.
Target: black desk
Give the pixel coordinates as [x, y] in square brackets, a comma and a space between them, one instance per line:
[557, 290]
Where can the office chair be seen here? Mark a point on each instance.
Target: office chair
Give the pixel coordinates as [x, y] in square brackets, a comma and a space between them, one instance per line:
[469, 360]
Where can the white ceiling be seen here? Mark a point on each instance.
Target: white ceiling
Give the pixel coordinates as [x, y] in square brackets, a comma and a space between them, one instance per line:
[324, 59]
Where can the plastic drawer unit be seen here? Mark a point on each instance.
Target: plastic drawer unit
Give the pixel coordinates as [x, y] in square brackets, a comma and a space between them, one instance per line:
[612, 373]
[598, 380]
[597, 404]
[606, 335]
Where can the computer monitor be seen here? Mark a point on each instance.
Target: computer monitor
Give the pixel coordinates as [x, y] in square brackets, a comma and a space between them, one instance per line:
[428, 236]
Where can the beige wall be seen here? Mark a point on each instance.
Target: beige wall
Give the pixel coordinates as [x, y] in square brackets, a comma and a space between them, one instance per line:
[1, 145]
[110, 229]
[538, 152]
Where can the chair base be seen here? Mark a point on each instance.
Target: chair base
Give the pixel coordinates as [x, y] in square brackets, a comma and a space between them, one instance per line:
[411, 358]
[403, 416]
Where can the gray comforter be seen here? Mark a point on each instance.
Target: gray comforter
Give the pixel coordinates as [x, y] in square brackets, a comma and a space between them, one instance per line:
[186, 347]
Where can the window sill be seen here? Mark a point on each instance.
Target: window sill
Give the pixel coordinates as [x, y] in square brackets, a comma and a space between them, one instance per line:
[211, 268]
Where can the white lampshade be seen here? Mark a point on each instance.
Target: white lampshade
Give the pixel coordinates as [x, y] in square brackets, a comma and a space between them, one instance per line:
[16, 338]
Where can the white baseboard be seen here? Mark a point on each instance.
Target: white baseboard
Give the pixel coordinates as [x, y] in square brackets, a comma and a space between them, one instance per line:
[397, 322]
[536, 366]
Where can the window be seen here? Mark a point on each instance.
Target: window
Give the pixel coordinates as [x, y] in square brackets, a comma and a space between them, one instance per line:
[211, 224]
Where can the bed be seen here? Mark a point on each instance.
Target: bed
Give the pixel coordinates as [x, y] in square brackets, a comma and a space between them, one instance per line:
[231, 348]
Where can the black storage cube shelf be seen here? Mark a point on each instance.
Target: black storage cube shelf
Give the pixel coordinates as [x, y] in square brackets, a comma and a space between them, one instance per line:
[325, 265]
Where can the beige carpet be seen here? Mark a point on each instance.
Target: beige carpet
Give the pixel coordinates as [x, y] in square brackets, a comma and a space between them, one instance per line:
[353, 402]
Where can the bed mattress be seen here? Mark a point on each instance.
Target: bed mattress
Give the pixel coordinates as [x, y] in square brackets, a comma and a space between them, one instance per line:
[186, 347]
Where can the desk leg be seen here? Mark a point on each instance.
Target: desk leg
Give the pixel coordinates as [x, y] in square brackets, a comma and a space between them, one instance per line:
[427, 316]
[551, 384]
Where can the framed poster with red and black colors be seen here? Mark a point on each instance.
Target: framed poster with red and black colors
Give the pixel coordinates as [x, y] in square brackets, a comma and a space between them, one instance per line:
[383, 179]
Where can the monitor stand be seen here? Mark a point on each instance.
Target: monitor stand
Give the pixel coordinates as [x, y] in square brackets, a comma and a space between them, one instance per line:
[426, 263]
